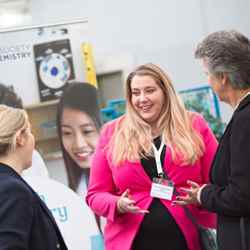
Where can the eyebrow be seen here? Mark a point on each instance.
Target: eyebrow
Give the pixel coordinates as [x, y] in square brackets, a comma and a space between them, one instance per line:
[144, 87]
[82, 125]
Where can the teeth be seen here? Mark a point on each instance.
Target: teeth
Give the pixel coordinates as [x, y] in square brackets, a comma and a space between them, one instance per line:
[145, 108]
[84, 154]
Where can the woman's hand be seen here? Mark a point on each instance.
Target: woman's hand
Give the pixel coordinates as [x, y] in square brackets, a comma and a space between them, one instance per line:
[127, 205]
[191, 196]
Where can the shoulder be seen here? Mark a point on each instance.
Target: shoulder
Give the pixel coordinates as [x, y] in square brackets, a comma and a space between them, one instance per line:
[107, 132]
[242, 115]
[13, 187]
[202, 127]
[17, 197]
[241, 119]
[17, 201]
[109, 128]
[197, 121]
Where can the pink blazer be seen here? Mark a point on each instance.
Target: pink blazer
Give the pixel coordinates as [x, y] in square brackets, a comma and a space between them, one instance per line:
[108, 182]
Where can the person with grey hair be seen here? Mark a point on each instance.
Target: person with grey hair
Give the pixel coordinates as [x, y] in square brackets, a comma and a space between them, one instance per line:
[225, 56]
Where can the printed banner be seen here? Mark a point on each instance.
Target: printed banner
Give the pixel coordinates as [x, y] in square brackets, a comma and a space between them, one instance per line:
[75, 219]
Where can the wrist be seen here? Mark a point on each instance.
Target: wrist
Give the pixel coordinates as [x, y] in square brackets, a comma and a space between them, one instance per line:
[119, 208]
[199, 193]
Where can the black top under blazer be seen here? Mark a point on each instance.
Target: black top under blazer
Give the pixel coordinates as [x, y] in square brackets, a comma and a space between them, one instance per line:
[229, 193]
[25, 221]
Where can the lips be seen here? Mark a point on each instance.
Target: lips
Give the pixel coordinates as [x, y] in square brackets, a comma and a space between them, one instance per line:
[83, 155]
[145, 108]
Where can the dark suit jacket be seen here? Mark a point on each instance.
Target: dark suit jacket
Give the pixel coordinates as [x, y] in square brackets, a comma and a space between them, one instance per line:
[25, 221]
[229, 193]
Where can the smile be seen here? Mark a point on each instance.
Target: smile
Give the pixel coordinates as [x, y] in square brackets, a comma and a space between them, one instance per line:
[83, 155]
[145, 108]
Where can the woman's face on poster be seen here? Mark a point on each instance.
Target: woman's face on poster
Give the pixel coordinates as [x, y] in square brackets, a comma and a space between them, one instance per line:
[79, 136]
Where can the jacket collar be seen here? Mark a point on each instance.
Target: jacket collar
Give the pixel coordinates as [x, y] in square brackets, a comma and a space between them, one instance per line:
[243, 103]
[4, 168]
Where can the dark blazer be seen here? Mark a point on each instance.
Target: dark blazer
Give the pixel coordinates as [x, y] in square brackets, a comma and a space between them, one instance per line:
[229, 193]
[25, 221]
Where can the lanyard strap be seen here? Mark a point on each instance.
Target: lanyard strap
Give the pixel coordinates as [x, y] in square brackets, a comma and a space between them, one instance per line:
[157, 154]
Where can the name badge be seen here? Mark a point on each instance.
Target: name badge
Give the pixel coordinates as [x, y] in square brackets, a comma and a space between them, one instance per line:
[162, 188]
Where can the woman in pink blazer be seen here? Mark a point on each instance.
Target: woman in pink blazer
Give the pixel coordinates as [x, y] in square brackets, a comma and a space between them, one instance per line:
[156, 139]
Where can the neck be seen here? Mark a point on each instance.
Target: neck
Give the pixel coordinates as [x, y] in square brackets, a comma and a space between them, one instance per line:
[155, 132]
[236, 97]
[12, 162]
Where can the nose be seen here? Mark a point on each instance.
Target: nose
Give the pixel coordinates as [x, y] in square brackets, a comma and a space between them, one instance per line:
[80, 141]
[142, 97]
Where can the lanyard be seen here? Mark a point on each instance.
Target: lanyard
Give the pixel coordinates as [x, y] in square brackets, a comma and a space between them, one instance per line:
[157, 154]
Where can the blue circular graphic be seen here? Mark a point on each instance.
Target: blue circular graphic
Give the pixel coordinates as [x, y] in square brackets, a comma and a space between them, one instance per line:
[54, 70]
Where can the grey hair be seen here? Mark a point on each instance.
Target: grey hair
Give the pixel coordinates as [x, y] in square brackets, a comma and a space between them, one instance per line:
[227, 52]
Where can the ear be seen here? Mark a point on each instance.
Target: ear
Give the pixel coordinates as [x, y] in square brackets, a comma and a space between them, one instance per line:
[224, 79]
[20, 138]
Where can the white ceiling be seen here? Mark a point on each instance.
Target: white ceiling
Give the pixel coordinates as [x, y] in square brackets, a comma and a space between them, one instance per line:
[15, 5]
[14, 13]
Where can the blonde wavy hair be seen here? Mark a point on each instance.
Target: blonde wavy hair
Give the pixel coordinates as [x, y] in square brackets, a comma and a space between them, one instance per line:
[132, 138]
[12, 120]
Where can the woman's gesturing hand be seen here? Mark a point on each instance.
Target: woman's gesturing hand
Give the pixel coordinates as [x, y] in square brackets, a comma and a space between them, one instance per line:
[126, 204]
[192, 194]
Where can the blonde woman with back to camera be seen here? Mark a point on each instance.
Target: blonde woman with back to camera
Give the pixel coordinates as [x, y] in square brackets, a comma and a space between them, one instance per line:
[26, 222]
[155, 139]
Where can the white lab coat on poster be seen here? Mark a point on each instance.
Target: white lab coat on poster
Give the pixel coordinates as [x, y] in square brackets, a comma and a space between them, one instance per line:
[82, 191]
[38, 167]
[74, 218]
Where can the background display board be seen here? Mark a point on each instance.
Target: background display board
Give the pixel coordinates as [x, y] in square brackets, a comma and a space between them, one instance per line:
[204, 101]
[54, 68]
[38, 61]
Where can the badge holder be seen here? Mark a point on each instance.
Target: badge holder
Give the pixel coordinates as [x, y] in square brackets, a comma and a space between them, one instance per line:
[162, 187]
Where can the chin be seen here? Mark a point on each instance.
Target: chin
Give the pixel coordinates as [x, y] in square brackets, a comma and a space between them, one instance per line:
[83, 164]
[149, 120]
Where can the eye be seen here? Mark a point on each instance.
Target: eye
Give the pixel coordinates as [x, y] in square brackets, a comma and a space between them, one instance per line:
[66, 133]
[150, 91]
[88, 131]
[135, 93]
